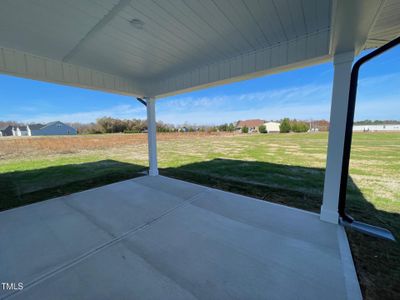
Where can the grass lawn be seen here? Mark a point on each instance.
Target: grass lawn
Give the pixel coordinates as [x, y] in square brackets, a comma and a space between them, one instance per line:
[283, 168]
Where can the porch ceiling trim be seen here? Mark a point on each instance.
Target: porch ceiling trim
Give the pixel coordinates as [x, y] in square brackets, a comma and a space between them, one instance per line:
[23, 64]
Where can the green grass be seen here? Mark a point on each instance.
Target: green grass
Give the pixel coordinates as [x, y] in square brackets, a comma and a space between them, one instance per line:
[283, 168]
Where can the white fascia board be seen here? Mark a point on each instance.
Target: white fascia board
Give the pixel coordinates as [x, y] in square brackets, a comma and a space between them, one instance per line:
[22, 64]
[297, 53]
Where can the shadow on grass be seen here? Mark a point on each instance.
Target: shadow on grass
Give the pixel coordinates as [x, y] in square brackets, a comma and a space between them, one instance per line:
[296, 186]
[377, 261]
[24, 187]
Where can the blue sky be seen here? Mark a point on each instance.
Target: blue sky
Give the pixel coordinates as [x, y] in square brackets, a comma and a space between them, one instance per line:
[302, 94]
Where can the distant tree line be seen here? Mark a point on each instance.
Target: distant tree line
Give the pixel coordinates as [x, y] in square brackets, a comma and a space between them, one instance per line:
[376, 122]
[113, 125]
[226, 127]
[7, 123]
[294, 125]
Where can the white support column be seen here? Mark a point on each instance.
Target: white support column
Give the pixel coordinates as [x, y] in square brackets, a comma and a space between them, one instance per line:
[152, 141]
[337, 127]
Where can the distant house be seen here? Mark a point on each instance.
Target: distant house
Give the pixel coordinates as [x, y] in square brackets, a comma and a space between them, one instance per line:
[183, 129]
[272, 127]
[251, 124]
[8, 131]
[23, 131]
[319, 125]
[372, 128]
[53, 128]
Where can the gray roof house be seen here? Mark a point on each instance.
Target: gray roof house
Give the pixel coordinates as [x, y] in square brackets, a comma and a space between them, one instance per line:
[22, 131]
[7, 131]
[53, 128]
[11, 130]
[36, 126]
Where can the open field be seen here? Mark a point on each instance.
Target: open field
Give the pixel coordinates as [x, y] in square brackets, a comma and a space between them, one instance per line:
[283, 168]
[37, 145]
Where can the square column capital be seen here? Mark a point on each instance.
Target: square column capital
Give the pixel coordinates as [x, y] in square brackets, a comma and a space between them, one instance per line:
[150, 99]
[344, 57]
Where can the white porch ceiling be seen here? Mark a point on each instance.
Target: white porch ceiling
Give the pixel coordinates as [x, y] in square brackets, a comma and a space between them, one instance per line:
[387, 26]
[182, 45]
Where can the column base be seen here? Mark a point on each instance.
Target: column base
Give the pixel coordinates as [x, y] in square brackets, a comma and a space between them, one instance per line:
[153, 172]
[329, 216]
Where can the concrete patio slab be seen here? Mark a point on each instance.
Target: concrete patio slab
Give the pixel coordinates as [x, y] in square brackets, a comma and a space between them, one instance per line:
[161, 238]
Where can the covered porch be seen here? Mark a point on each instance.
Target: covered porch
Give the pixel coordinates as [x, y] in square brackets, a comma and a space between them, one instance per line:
[155, 237]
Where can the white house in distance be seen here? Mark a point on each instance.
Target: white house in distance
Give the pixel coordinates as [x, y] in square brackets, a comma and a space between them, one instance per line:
[272, 127]
[372, 128]
[254, 124]
[11, 130]
[53, 128]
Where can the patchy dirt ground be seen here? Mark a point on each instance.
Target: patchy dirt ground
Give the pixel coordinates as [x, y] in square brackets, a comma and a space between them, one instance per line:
[18, 146]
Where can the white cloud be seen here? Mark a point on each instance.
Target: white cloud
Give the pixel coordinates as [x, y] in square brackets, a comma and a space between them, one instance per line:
[313, 111]
[303, 102]
[263, 98]
[380, 80]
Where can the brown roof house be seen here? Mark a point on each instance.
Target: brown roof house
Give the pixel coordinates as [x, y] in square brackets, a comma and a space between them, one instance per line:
[251, 124]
